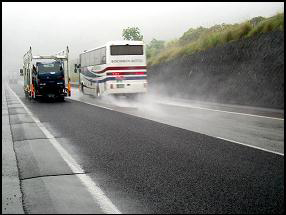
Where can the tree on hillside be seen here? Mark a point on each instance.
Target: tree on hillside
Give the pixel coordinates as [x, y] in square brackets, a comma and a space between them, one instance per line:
[256, 20]
[192, 35]
[132, 33]
[154, 47]
[171, 43]
[218, 28]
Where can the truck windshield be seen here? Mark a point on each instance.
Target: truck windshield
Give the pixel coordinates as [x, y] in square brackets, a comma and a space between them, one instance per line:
[49, 67]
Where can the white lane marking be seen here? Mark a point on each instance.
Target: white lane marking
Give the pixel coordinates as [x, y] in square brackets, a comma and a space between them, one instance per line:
[223, 111]
[91, 104]
[233, 141]
[256, 147]
[98, 195]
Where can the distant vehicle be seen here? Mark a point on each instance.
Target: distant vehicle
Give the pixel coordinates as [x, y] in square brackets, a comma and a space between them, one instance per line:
[44, 76]
[118, 68]
[13, 79]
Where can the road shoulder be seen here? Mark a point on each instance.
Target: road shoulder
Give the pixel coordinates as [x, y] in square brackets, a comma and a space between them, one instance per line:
[11, 192]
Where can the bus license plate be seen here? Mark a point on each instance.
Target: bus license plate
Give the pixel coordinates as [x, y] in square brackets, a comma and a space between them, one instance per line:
[119, 77]
[120, 85]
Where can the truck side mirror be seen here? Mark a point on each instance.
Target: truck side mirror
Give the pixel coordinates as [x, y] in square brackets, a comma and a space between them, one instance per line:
[21, 72]
[75, 68]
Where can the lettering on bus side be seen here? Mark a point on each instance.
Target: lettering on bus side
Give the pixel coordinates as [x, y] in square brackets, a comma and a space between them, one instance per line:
[126, 61]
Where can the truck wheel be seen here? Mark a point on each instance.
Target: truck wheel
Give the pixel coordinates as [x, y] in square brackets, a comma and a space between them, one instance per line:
[30, 97]
[61, 99]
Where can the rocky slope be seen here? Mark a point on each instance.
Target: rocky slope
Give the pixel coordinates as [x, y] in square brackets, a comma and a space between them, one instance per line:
[245, 72]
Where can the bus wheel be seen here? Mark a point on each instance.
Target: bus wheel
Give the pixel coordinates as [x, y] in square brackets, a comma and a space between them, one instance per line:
[82, 88]
[97, 92]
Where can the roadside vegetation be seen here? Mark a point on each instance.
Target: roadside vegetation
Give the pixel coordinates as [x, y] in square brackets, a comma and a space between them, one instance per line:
[201, 38]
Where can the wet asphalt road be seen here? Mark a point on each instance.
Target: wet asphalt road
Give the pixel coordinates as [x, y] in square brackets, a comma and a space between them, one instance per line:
[148, 167]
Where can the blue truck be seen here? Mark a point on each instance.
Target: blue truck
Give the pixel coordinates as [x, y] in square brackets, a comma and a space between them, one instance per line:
[46, 76]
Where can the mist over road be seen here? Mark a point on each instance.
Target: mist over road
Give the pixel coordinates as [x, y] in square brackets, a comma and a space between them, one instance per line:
[256, 127]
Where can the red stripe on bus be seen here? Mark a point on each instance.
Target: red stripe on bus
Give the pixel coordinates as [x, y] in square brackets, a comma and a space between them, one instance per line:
[126, 73]
[121, 68]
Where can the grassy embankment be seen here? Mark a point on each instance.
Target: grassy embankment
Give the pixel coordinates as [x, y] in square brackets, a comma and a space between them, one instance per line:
[201, 38]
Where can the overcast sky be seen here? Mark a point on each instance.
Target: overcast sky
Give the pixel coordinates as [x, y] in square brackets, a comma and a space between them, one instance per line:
[49, 27]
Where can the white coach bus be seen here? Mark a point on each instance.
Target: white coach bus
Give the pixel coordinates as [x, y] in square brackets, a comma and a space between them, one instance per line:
[118, 67]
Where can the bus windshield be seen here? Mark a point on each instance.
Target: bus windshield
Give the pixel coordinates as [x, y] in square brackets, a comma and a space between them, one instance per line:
[49, 67]
[126, 50]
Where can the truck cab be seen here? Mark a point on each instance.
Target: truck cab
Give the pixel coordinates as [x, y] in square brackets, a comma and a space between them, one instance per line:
[44, 75]
[49, 79]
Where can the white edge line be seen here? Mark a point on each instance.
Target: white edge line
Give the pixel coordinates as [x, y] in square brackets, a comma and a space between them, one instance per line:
[233, 141]
[256, 147]
[90, 104]
[230, 112]
[98, 195]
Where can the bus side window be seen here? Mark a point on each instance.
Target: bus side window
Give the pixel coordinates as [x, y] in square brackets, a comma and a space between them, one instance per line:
[103, 55]
[96, 57]
[103, 60]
